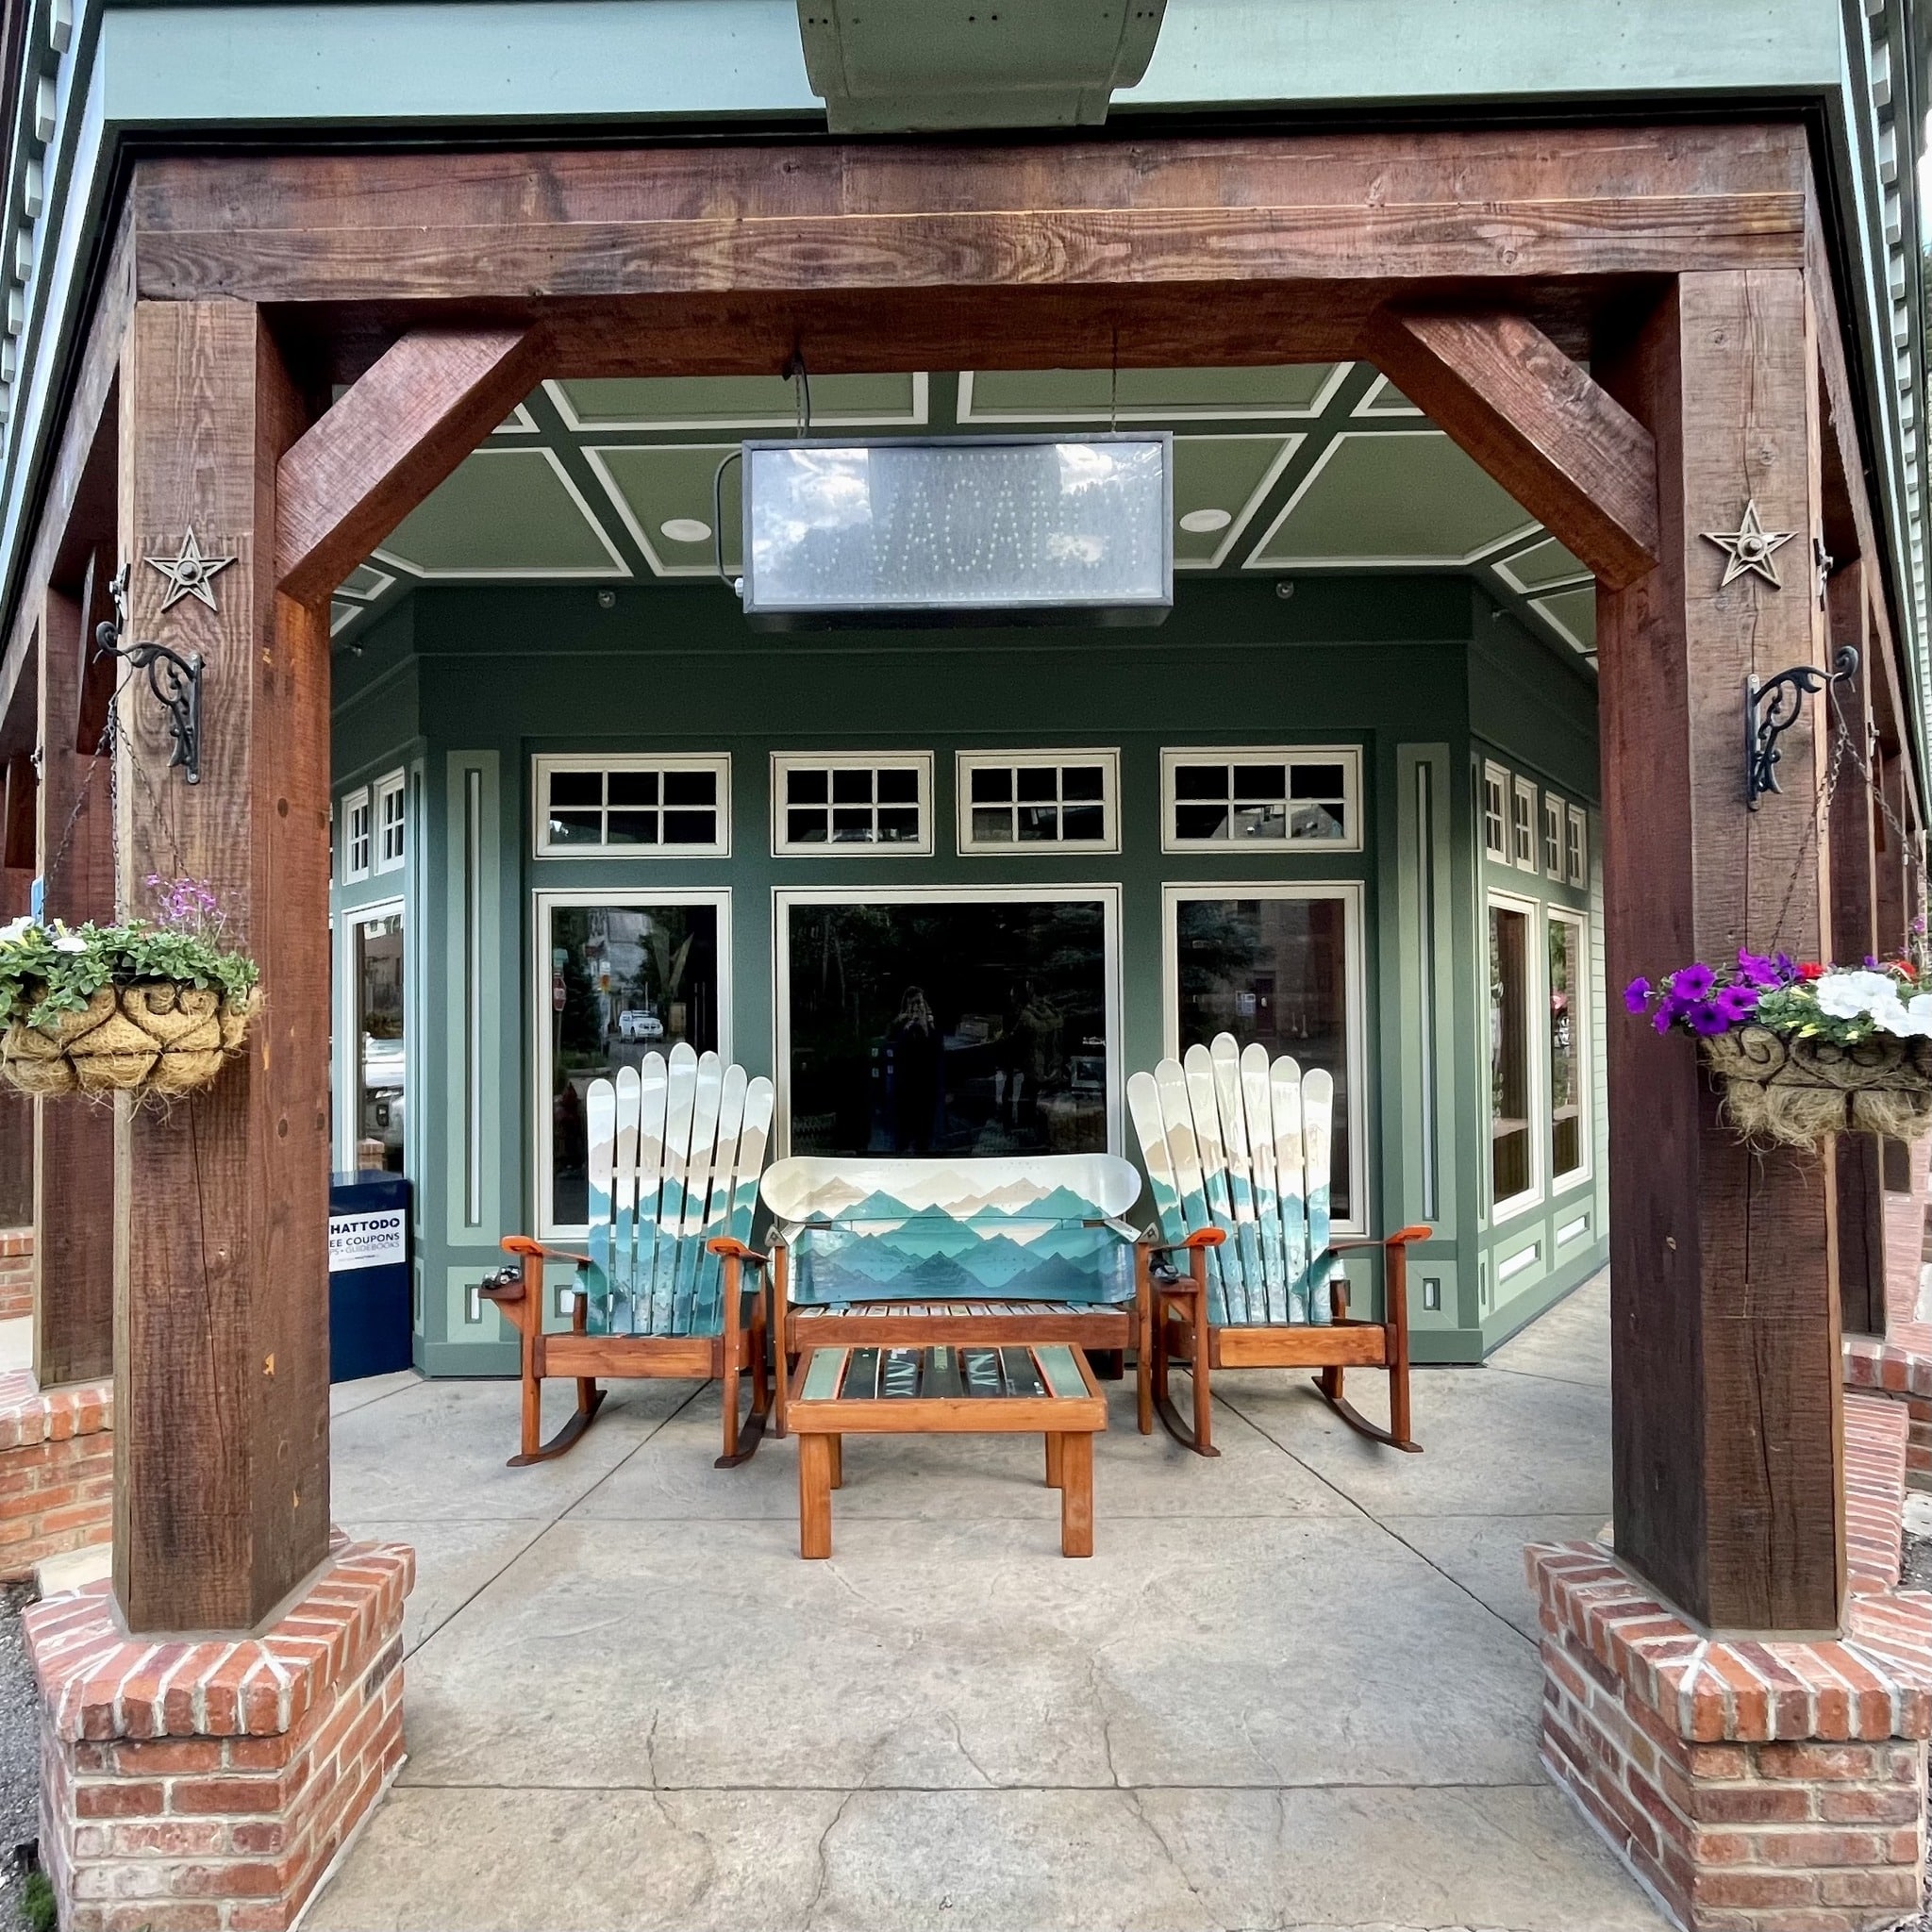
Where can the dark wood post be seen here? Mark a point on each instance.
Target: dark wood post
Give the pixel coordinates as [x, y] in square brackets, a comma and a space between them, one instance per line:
[1854, 934]
[221, 1221]
[73, 1144]
[1726, 1401]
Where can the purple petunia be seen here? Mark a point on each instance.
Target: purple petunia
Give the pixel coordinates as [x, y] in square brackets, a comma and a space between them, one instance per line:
[1735, 1004]
[1692, 982]
[1637, 995]
[1706, 1019]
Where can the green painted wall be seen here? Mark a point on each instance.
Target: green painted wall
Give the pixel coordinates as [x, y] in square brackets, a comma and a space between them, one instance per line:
[469, 685]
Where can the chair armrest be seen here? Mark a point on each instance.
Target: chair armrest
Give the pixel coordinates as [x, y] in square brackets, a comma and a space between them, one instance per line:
[522, 1244]
[1126, 1229]
[1201, 1238]
[505, 1287]
[736, 1251]
[1400, 1238]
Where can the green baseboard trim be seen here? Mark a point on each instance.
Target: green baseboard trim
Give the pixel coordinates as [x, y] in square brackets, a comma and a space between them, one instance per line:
[1541, 1299]
[1444, 1348]
[490, 1358]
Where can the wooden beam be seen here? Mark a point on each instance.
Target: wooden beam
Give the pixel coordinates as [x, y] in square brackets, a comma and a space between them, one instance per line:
[1564, 449]
[85, 724]
[397, 433]
[17, 827]
[1727, 1402]
[519, 231]
[221, 1389]
[73, 1145]
[1861, 1244]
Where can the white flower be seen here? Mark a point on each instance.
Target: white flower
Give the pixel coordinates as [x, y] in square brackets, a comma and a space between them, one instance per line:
[1905, 1021]
[1848, 995]
[18, 930]
[69, 942]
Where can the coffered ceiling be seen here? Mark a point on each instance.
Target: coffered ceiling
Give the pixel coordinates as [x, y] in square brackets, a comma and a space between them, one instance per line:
[1277, 470]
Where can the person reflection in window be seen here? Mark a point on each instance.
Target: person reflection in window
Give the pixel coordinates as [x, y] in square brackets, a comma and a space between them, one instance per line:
[916, 1047]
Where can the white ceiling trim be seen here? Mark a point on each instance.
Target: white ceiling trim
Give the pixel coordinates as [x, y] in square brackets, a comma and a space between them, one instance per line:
[1200, 412]
[915, 417]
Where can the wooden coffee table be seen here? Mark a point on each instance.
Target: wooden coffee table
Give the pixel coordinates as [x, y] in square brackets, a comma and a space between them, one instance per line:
[1047, 1389]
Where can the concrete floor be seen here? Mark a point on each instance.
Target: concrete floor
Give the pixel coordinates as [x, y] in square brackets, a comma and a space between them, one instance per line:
[1293, 1688]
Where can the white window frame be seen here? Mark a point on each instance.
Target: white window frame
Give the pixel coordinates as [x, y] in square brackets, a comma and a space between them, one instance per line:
[785, 762]
[1535, 998]
[785, 897]
[966, 762]
[395, 786]
[1522, 789]
[1496, 781]
[1579, 1047]
[353, 802]
[1349, 757]
[1351, 893]
[544, 764]
[1577, 823]
[637, 898]
[348, 1025]
[1552, 829]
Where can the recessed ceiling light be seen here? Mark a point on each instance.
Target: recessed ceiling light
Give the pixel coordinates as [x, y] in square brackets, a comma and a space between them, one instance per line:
[685, 529]
[1200, 522]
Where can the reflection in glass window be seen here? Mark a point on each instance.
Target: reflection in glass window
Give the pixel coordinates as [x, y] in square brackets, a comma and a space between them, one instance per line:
[636, 806]
[1037, 802]
[376, 969]
[1276, 970]
[624, 979]
[1511, 1169]
[828, 802]
[948, 1027]
[1567, 1070]
[1259, 801]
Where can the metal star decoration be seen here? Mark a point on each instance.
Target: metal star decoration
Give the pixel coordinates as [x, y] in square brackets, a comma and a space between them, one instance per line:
[1749, 547]
[188, 572]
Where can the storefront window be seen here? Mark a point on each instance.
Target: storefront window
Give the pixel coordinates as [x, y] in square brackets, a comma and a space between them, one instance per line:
[1513, 1169]
[376, 969]
[1567, 1064]
[946, 1025]
[623, 980]
[1274, 970]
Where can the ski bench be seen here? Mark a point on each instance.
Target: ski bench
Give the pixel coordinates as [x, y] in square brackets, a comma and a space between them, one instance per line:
[1046, 1389]
[955, 1255]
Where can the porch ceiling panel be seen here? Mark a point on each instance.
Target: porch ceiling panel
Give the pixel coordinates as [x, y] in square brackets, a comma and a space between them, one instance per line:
[1277, 468]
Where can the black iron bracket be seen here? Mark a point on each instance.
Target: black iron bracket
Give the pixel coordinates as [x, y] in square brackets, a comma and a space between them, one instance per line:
[1772, 708]
[175, 679]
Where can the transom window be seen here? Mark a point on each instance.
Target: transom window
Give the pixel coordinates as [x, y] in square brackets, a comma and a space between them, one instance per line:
[1553, 837]
[1265, 797]
[659, 806]
[1576, 848]
[388, 824]
[1009, 799]
[356, 839]
[861, 804]
[1495, 825]
[1522, 825]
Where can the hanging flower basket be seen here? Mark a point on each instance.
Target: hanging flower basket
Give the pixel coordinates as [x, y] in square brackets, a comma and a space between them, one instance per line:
[152, 1008]
[1801, 1052]
[163, 1039]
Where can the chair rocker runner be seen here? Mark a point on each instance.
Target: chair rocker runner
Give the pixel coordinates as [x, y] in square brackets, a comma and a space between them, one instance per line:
[675, 1151]
[1237, 1158]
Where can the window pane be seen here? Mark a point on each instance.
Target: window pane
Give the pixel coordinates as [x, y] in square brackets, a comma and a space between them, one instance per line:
[576, 787]
[807, 788]
[1511, 1168]
[898, 826]
[1260, 822]
[1200, 781]
[378, 979]
[1273, 971]
[576, 827]
[633, 828]
[1083, 822]
[1316, 822]
[852, 825]
[805, 827]
[1038, 782]
[991, 785]
[690, 827]
[633, 788]
[1040, 823]
[851, 788]
[1317, 781]
[1083, 781]
[993, 826]
[630, 979]
[1260, 781]
[1200, 821]
[969, 1027]
[1566, 1067]
[899, 785]
[691, 787]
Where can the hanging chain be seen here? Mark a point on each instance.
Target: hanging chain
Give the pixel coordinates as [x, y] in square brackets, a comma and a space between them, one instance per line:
[1821, 810]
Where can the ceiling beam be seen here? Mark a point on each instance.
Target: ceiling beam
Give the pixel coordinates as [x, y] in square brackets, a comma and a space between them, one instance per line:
[1567, 450]
[388, 441]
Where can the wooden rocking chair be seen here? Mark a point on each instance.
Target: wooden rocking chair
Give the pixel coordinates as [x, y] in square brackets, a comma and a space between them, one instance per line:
[675, 1151]
[1238, 1156]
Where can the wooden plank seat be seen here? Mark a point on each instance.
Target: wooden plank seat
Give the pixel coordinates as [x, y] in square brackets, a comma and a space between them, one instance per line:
[1003, 1252]
[675, 1150]
[1238, 1156]
[1046, 1389]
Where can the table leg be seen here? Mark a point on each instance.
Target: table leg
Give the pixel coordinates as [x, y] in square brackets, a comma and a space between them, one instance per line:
[1054, 1460]
[1076, 1494]
[838, 1447]
[814, 1495]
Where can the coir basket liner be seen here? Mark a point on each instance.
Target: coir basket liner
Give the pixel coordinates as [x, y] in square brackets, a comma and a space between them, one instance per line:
[155, 1037]
[1795, 1091]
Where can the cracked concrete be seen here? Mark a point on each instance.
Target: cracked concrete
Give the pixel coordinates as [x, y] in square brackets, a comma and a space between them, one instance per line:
[1293, 1690]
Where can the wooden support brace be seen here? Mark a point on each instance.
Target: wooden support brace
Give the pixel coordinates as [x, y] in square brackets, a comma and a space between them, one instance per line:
[392, 438]
[1566, 449]
[21, 813]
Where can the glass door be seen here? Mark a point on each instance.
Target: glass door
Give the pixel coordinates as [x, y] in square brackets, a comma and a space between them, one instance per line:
[378, 1053]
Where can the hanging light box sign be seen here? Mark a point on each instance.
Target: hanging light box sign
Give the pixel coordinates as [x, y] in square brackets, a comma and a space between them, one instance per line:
[1012, 529]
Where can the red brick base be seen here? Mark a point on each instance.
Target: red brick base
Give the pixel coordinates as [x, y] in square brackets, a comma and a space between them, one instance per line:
[16, 1273]
[1899, 1364]
[206, 1787]
[57, 1470]
[1752, 1787]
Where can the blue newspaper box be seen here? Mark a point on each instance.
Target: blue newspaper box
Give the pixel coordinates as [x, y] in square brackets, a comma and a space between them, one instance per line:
[367, 1274]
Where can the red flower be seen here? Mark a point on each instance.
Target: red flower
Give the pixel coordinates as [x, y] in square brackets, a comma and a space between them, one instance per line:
[1811, 969]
